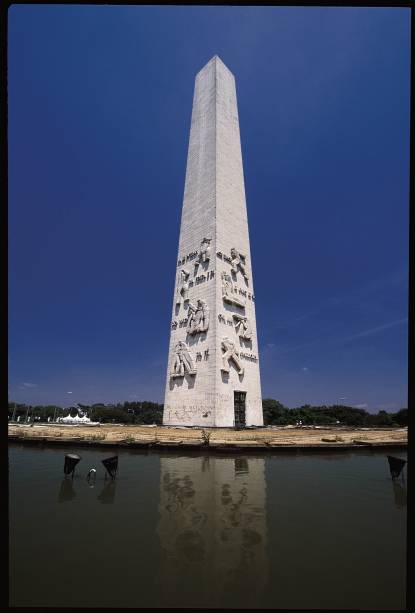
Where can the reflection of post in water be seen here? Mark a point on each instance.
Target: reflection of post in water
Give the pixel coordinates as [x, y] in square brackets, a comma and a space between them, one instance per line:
[108, 493]
[399, 492]
[66, 491]
[212, 528]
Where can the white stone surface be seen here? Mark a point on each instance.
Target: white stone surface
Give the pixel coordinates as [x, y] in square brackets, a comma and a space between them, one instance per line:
[214, 208]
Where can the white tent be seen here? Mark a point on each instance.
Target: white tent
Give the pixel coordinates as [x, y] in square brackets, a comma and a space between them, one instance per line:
[77, 420]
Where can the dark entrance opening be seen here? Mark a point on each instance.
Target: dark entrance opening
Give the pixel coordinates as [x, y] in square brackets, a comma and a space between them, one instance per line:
[239, 408]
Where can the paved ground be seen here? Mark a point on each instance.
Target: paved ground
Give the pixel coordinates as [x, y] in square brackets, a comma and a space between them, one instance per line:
[277, 437]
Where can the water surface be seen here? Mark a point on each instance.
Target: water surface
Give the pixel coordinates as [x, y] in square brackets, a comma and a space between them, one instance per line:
[205, 530]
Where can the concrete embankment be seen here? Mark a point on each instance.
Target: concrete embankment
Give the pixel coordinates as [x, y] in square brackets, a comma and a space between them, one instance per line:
[269, 438]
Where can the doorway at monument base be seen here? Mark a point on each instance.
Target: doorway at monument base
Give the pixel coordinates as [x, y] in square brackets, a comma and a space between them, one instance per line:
[233, 409]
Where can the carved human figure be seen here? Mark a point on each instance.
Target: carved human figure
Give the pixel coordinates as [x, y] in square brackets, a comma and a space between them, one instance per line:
[242, 326]
[183, 286]
[230, 353]
[228, 292]
[183, 361]
[238, 263]
[198, 317]
[204, 252]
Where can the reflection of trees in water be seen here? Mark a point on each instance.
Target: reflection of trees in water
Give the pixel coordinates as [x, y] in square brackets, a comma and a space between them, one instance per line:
[212, 530]
[66, 491]
[326, 455]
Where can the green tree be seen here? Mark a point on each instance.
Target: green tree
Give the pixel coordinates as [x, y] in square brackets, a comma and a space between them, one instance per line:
[275, 413]
[401, 417]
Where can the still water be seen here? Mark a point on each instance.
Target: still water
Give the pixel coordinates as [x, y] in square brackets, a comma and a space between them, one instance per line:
[197, 530]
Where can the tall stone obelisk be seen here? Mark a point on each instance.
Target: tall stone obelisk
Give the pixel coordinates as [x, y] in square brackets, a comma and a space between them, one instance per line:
[213, 369]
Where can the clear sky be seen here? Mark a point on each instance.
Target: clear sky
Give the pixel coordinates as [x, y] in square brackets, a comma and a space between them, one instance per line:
[99, 114]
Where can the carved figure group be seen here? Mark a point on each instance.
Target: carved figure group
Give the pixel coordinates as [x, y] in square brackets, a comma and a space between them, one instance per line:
[198, 317]
[229, 293]
[183, 362]
[242, 326]
[230, 353]
[238, 263]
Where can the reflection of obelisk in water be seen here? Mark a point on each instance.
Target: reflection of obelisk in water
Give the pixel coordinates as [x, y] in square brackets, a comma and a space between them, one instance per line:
[212, 529]
[213, 370]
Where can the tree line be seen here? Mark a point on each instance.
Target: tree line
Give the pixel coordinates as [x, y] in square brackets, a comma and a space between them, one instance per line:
[275, 414]
[145, 412]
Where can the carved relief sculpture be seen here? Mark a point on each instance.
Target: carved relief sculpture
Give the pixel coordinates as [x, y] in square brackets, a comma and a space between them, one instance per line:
[229, 293]
[183, 362]
[242, 327]
[198, 317]
[230, 353]
[204, 252]
[183, 286]
[238, 263]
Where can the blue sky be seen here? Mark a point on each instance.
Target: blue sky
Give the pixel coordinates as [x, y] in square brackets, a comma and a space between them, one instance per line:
[99, 116]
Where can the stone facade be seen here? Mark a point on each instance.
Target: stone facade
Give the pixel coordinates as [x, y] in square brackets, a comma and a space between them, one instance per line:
[213, 343]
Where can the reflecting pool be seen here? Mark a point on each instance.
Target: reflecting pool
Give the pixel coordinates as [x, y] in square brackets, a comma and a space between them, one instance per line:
[281, 530]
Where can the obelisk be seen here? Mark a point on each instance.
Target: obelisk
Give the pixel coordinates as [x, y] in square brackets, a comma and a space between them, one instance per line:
[213, 375]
